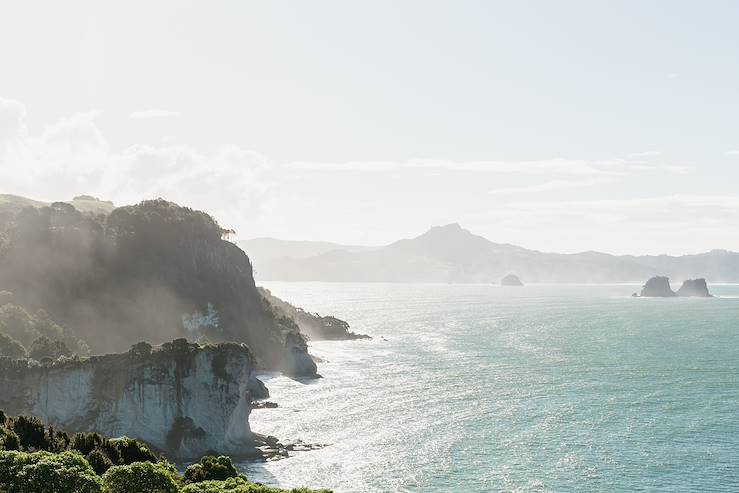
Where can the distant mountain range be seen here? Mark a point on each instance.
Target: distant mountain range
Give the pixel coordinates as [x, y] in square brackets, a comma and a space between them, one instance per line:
[451, 254]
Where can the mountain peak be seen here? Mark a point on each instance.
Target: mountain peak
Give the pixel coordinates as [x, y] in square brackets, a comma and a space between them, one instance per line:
[447, 230]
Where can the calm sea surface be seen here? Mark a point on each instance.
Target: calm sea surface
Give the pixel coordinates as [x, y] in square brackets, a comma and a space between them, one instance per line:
[474, 388]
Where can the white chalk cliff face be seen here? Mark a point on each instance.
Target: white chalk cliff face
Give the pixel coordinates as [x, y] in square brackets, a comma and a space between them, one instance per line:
[183, 399]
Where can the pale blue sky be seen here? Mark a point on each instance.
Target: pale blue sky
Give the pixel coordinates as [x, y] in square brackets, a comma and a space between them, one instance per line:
[557, 125]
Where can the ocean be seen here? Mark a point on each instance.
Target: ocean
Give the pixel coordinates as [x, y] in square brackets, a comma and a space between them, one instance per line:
[481, 388]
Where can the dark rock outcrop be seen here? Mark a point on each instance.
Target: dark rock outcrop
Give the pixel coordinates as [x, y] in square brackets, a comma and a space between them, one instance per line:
[511, 280]
[694, 287]
[313, 325]
[658, 287]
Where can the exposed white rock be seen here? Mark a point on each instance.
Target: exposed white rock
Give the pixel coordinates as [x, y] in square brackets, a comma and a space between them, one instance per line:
[185, 400]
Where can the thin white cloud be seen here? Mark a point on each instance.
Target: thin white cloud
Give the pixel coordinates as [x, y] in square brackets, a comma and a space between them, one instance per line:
[675, 224]
[72, 157]
[153, 113]
[549, 186]
[733, 152]
[611, 167]
[679, 169]
[646, 154]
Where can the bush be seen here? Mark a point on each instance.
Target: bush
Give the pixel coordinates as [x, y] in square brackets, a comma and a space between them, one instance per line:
[46, 472]
[9, 440]
[131, 450]
[43, 347]
[140, 477]
[86, 442]
[211, 468]
[30, 431]
[240, 485]
[57, 440]
[99, 462]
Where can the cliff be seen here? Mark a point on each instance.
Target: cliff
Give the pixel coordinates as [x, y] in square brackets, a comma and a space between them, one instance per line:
[695, 288]
[153, 271]
[184, 399]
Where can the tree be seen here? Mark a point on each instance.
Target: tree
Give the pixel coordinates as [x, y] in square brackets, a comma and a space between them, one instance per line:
[140, 477]
[30, 431]
[43, 347]
[132, 450]
[46, 472]
[211, 468]
[11, 348]
[9, 440]
[16, 322]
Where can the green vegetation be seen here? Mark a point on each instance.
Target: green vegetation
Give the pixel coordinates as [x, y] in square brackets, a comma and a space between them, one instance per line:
[37, 459]
[153, 271]
[35, 336]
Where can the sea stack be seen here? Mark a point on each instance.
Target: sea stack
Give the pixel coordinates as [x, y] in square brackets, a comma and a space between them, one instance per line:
[694, 287]
[658, 287]
[511, 280]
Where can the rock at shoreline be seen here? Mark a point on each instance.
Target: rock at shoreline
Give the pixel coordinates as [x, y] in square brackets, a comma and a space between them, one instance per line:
[264, 405]
[511, 280]
[658, 287]
[257, 389]
[694, 287]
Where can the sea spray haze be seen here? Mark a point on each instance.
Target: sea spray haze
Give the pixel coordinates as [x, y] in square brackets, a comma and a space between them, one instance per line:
[479, 388]
[154, 271]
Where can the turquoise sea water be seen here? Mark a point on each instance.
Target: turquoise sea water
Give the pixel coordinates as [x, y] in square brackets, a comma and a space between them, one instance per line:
[475, 388]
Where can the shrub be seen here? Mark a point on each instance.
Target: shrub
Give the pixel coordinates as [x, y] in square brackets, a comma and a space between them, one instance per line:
[30, 431]
[86, 442]
[58, 440]
[240, 485]
[99, 462]
[131, 450]
[43, 347]
[9, 440]
[45, 472]
[140, 477]
[211, 468]
[141, 350]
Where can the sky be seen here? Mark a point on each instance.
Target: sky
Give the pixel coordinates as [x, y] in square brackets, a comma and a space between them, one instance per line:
[555, 125]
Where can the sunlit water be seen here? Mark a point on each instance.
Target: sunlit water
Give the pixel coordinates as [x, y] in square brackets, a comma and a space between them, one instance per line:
[541, 388]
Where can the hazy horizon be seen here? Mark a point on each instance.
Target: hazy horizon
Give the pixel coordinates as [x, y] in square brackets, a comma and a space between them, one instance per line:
[564, 127]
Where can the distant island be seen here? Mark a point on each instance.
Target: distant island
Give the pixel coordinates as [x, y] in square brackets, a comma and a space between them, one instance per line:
[511, 280]
[659, 287]
[452, 254]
